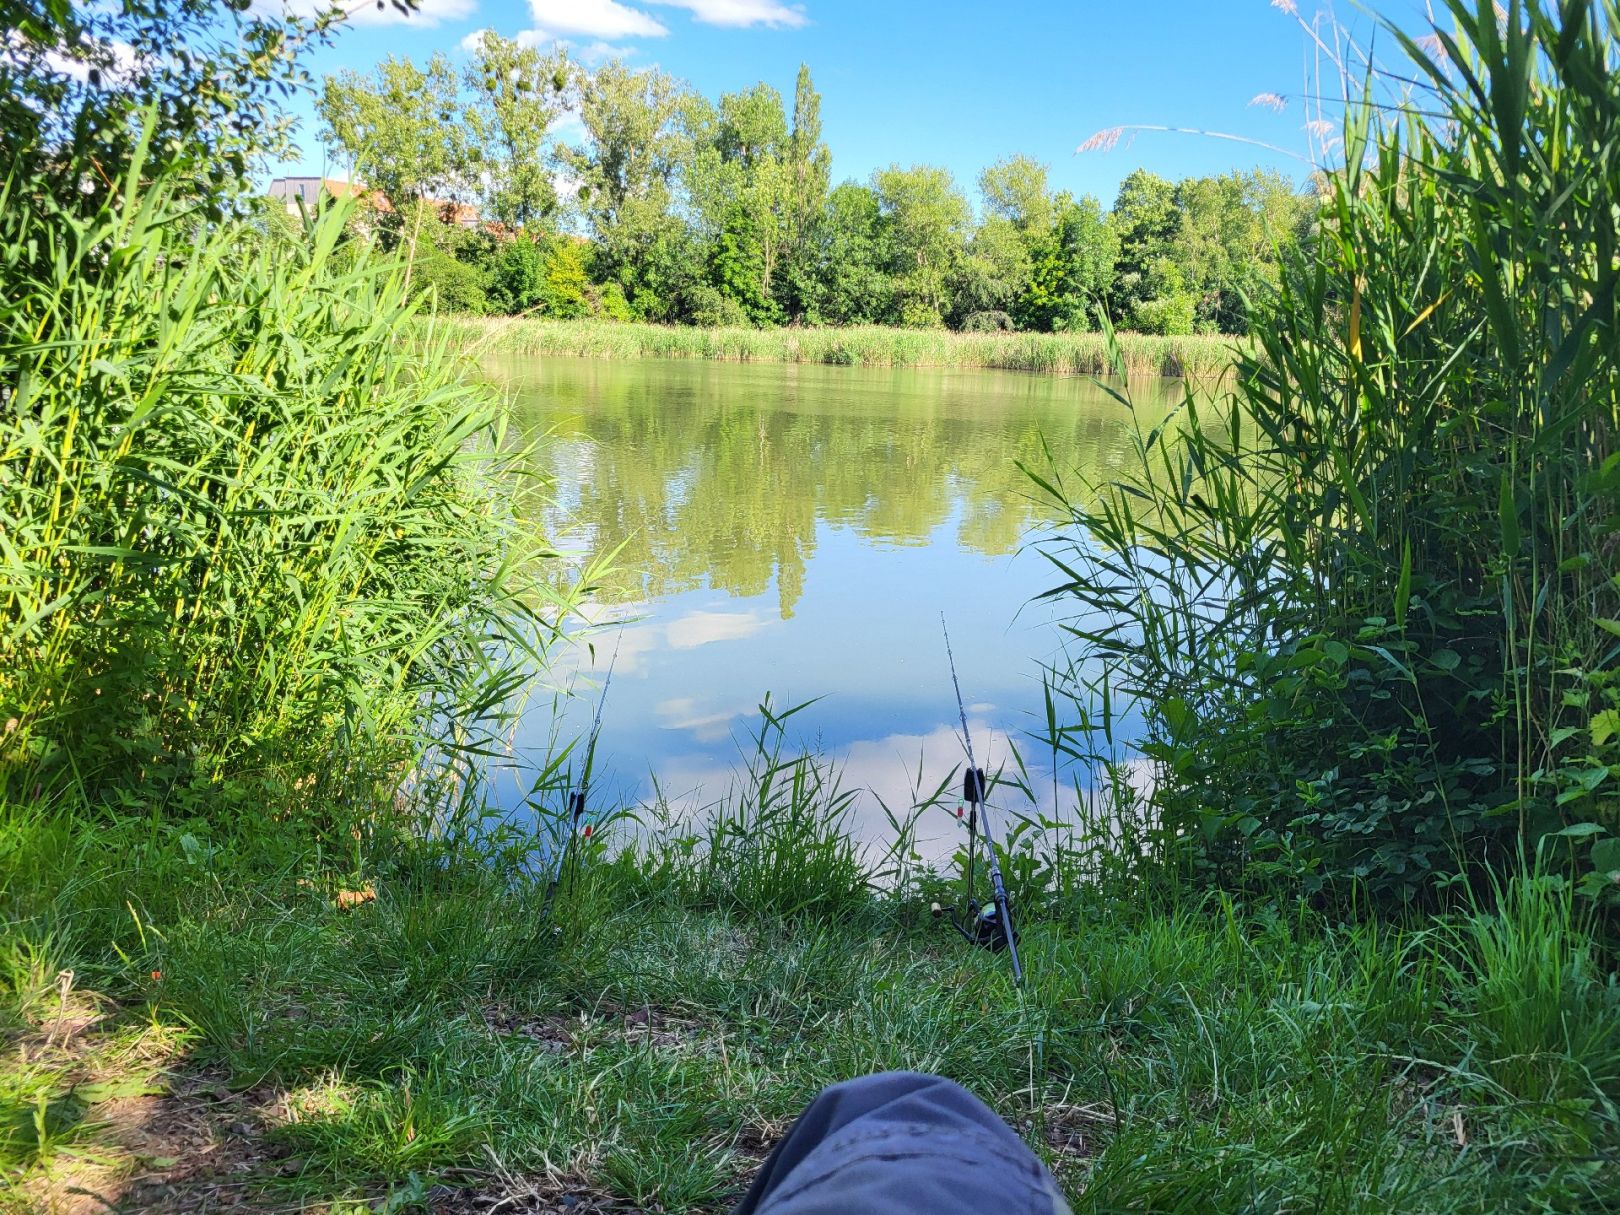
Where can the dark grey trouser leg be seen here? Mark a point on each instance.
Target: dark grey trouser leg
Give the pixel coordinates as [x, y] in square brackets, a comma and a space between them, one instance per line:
[901, 1143]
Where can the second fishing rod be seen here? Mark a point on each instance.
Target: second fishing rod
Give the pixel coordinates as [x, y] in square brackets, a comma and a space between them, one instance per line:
[576, 804]
[991, 927]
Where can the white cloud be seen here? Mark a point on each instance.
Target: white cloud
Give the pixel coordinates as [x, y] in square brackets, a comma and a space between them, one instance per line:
[597, 51]
[595, 19]
[427, 13]
[742, 14]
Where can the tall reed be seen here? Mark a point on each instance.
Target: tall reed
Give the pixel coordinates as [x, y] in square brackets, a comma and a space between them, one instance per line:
[859, 346]
[1367, 597]
[254, 547]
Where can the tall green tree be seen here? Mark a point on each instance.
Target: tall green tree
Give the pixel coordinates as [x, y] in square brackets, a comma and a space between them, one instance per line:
[851, 259]
[926, 221]
[403, 129]
[1146, 221]
[1231, 237]
[629, 173]
[518, 93]
[1015, 190]
[809, 175]
[1072, 267]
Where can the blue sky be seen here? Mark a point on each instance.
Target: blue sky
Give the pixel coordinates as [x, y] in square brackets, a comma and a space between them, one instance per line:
[958, 83]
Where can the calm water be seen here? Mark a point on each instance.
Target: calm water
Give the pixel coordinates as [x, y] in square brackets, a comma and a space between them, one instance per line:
[797, 530]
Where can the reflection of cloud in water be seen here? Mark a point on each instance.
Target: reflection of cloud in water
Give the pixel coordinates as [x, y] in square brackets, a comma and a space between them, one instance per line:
[910, 775]
[903, 770]
[683, 713]
[701, 628]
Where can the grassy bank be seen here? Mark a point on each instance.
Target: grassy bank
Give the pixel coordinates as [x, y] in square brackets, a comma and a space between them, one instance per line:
[189, 1023]
[868, 346]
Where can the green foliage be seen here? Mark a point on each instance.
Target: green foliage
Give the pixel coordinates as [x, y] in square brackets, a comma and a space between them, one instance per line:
[1366, 601]
[547, 276]
[721, 214]
[447, 262]
[404, 128]
[639, 126]
[1072, 270]
[517, 95]
[252, 555]
[923, 222]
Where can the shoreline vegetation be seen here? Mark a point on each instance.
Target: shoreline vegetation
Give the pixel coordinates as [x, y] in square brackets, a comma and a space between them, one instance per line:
[266, 944]
[1085, 354]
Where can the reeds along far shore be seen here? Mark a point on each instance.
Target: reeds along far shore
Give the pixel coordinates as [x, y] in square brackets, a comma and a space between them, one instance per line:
[868, 346]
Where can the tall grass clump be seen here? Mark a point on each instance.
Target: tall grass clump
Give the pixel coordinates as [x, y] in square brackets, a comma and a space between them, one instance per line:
[254, 553]
[855, 346]
[1366, 597]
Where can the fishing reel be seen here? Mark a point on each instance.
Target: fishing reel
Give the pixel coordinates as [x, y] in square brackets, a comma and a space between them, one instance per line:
[984, 927]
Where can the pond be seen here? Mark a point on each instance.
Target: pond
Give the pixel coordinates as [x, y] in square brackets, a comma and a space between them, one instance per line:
[797, 531]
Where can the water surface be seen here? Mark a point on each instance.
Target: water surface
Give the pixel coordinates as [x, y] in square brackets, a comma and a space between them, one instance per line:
[798, 530]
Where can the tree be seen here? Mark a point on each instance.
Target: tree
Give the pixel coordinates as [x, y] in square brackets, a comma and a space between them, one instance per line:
[1015, 191]
[740, 188]
[925, 221]
[196, 85]
[517, 94]
[637, 127]
[1072, 268]
[403, 128]
[993, 272]
[1230, 238]
[809, 173]
[850, 259]
[1146, 221]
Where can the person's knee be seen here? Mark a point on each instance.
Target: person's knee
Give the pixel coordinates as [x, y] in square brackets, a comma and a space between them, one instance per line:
[898, 1143]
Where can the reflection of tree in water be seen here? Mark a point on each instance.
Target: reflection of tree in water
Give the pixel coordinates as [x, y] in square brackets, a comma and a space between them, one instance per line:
[717, 474]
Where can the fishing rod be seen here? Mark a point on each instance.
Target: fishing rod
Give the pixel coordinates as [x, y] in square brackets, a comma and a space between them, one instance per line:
[992, 926]
[577, 796]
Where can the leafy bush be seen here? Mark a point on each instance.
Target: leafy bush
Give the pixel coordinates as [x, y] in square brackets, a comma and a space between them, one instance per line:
[990, 321]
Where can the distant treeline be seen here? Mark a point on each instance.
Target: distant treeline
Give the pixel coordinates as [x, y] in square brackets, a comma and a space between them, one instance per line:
[673, 208]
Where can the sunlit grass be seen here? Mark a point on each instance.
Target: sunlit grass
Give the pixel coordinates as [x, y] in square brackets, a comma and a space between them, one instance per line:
[861, 346]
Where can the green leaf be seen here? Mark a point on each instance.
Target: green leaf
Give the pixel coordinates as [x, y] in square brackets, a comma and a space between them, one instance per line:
[1576, 831]
[1605, 725]
[1606, 855]
[1446, 660]
[1508, 512]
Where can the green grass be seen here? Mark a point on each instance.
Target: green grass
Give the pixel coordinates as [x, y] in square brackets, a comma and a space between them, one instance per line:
[863, 346]
[654, 1039]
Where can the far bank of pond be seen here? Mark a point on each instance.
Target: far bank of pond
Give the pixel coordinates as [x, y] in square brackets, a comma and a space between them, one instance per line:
[868, 346]
[798, 531]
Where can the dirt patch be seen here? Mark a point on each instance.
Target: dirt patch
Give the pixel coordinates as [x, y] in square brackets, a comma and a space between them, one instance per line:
[201, 1147]
[511, 1195]
[558, 1033]
[145, 1134]
[1072, 1132]
[756, 1140]
[553, 1034]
